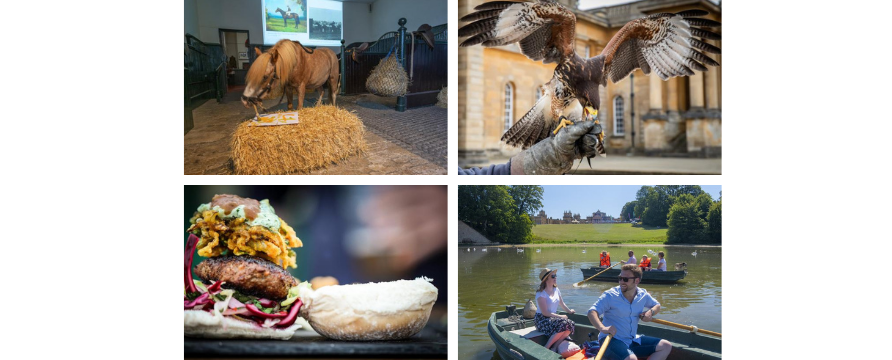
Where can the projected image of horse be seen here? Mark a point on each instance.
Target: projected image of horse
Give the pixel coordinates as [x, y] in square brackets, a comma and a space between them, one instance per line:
[289, 16]
[290, 67]
[325, 24]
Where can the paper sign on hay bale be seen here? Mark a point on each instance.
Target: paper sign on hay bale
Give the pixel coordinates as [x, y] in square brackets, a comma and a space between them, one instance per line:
[275, 119]
[325, 135]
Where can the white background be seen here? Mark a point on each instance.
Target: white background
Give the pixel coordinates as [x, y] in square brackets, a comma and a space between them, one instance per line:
[92, 170]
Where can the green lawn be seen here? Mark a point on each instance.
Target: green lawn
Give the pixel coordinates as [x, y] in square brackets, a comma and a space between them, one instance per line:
[598, 233]
[276, 24]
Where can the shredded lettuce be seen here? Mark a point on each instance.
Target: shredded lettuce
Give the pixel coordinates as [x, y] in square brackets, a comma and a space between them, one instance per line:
[294, 293]
[200, 286]
[221, 305]
[245, 298]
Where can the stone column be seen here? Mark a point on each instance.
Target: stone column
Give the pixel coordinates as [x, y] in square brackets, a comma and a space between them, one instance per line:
[712, 135]
[470, 99]
[655, 120]
[712, 89]
[695, 116]
[656, 93]
[696, 90]
[672, 94]
[675, 123]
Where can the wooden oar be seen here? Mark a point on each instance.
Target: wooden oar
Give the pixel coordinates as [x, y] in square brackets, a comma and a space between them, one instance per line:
[580, 283]
[686, 327]
[603, 347]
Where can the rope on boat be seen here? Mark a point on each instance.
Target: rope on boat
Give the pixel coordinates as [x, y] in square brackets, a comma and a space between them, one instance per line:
[515, 319]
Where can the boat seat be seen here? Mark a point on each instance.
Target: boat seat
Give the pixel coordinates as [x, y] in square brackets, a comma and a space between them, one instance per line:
[532, 334]
[529, 332]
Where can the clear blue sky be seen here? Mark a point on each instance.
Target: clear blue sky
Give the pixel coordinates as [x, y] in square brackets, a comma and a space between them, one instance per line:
[586, 199]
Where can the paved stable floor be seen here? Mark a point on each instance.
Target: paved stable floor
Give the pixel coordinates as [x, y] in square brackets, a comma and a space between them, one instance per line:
[411, 142]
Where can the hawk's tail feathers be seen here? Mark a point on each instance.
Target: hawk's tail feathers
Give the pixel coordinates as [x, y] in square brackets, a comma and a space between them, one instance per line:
[601, 150]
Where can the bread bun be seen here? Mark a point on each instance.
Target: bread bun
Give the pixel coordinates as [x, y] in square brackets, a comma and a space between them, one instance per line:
[200, 323]
[322, 281]
[373, 311]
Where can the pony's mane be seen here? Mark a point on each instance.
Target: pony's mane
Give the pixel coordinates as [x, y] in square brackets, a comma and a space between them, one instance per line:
[255, 72]
[288, 57]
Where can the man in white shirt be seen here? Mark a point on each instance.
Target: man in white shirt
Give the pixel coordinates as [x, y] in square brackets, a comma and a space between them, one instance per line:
[632, 259]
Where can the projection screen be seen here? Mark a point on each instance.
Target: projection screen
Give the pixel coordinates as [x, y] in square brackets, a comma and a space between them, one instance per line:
[312, 22]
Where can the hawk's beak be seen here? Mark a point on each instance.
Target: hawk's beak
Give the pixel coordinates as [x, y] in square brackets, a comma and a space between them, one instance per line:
[590, 110]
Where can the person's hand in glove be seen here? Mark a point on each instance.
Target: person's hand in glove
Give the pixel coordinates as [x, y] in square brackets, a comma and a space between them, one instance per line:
[555, 155]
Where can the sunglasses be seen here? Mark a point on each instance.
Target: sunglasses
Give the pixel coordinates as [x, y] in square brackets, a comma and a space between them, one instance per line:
[626, 279]
[554, 276]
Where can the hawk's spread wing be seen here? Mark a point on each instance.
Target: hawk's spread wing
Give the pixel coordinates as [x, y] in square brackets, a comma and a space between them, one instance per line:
[545, 30]
[664, 43]
[536, 124]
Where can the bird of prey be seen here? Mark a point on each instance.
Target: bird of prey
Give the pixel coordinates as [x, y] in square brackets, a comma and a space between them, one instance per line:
[666, 44]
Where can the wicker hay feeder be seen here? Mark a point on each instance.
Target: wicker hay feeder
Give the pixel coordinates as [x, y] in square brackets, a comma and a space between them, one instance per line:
[324, 135]
[442, 96]
[388, 78]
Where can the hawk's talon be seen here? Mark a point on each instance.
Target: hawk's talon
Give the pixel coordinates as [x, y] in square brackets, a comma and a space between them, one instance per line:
[564, 122]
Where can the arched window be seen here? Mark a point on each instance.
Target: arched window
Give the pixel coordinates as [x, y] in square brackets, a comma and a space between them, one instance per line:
[509, 106]
[619, 127]
[588, 51]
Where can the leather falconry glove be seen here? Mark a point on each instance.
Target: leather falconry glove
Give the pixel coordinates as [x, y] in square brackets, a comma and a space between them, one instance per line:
[555, 155]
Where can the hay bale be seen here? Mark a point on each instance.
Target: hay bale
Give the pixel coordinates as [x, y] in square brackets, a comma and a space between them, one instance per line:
[325, 135]
[441, 98]
[388, 78]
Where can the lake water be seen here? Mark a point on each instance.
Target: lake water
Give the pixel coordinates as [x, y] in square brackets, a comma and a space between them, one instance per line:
[489, 280]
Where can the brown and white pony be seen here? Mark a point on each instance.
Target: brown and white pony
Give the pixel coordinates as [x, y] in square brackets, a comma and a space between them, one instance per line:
[290, 67]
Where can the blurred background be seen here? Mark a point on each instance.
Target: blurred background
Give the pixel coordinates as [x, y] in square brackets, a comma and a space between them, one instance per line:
[651, 126]
[357, 234]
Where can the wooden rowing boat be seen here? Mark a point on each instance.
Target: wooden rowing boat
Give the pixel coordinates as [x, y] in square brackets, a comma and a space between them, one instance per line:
[648, 277]
[504, 331]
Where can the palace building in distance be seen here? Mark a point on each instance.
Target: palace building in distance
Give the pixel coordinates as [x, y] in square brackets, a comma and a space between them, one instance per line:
[597, 217]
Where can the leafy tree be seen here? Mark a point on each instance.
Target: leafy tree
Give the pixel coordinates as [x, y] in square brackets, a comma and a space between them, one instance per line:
[527, 198]
[684, 199]
[714, 222]
[656, 206]
[685, 222]
[490, 210]
[641, 200]
[704, 203]
[676, 190]
[520, 230]
[628, 211]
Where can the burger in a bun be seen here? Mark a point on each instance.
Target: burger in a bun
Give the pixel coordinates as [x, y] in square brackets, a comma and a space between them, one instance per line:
[245, 289]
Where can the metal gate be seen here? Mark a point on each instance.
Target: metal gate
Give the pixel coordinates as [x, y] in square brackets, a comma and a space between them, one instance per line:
[204, 76]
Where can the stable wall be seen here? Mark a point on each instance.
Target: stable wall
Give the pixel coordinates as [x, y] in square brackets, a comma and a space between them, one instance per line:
[386, 13]
[204, 18]
[190, 18]
[357, 22]
[214, 15]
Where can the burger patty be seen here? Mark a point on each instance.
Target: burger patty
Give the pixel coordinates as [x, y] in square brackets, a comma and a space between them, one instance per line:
[248, 275]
